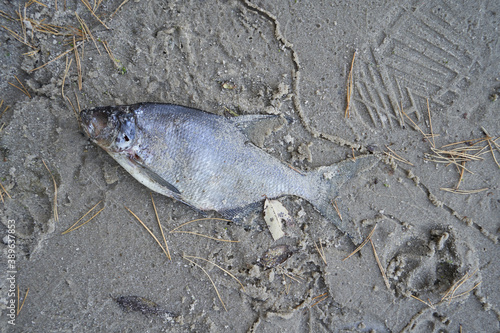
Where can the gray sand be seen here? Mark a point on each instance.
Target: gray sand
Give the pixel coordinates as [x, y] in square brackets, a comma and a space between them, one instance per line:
[292, 59]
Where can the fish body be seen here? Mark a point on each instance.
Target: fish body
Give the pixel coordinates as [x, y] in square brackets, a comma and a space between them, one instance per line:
[206, 160]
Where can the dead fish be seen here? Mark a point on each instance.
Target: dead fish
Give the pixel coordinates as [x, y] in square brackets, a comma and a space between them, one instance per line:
[206, 160]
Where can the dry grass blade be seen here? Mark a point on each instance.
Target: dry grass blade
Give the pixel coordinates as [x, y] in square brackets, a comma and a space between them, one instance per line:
[73, 228]
[161, 228]
[458, 191]
[321, 252]
[426, 303]
[56, 215]
[20, 305]
[222, 269]
[362, 244]
[386, 281]
[93, 13]
[149, 231]
[350, 85]
[213, 284]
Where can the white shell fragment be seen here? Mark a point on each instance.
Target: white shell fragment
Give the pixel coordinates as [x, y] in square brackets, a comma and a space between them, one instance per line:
[274, 214]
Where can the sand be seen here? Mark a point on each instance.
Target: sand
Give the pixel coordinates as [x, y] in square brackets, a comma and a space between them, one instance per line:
[290, 58]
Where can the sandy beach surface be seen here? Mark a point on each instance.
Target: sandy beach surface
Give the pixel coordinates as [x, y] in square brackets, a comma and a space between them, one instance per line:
[424, 82]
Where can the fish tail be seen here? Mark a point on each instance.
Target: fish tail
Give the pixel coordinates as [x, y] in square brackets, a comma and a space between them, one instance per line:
[330, 180]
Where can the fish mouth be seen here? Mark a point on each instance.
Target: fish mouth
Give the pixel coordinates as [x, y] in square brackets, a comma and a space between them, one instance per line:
[99, 124]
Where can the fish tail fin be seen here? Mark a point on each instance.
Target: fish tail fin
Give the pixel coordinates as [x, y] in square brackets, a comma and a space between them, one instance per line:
[330, 180]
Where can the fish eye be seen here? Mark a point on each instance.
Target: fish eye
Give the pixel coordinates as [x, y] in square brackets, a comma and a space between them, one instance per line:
[126, 134]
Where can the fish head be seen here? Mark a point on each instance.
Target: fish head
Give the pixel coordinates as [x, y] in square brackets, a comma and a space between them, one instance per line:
[113, 128]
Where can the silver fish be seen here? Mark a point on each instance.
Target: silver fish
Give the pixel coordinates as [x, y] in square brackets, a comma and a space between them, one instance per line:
[206, 160]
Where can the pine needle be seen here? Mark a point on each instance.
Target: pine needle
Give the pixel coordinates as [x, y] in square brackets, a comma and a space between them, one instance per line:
[78, 64]
[225, 271]
[320, 252]
[93, 13]
[19, 308]
[120, 6]
[3, 188]
[161, 228]
[56, 215]
[59, 56]
[324, 296]
[202, 219]
[386, 281]
[350, 86]
[428, 304]
[149, 231]
[334, 204]
[397, 157]
[213, 284]
[72, 228]
[458, 191]
[362, 244]
[430, 123]
[206, 236]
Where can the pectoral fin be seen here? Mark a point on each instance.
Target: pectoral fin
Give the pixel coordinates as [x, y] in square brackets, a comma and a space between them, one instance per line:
[159, 180]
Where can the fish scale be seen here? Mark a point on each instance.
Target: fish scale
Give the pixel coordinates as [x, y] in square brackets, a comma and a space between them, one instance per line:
[206, 160]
